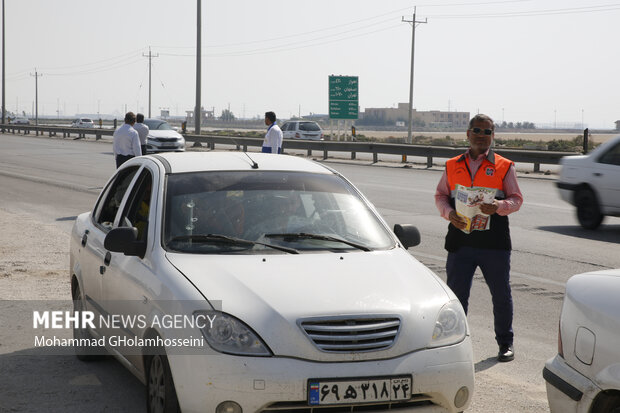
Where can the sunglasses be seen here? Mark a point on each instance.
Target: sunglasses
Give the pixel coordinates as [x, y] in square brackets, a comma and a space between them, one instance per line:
[479, 131]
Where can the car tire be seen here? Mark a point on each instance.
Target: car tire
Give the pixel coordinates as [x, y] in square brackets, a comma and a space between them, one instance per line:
[83, 353]
[588, 210]
[161, 396]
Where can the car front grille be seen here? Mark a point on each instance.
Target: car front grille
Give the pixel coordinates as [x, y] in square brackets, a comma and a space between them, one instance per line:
[164, 139]
[352, 334]
[417, 401]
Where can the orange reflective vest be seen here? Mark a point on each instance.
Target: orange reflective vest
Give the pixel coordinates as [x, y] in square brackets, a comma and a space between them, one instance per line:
[490, 174]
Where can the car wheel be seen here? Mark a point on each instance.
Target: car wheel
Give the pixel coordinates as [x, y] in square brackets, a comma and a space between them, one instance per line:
[161, 396]
[83, 353]
[588, 211]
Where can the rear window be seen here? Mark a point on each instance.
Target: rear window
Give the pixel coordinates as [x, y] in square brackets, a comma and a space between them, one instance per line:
[309, 126]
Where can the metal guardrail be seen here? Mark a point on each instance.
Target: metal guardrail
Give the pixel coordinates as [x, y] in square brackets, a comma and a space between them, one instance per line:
[55, 131]
[535, 157]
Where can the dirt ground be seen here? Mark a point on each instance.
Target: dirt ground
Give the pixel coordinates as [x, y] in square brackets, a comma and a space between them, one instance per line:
[32, 267]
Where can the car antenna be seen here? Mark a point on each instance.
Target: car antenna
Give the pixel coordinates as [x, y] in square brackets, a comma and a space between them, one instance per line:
[254, 164]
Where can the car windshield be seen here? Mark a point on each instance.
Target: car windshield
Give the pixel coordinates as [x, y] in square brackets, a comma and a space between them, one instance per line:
[309, 126]
[86, 120]
[155, 124]
[265, 210]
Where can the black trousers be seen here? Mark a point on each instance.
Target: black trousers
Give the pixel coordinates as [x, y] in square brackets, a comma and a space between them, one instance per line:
[121, 159]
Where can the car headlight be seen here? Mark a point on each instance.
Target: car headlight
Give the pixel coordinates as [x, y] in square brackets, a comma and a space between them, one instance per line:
[451, 325]
[227, 334]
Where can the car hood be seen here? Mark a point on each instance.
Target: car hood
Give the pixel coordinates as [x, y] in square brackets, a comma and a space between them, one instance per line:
[274, 293]
[164, 134]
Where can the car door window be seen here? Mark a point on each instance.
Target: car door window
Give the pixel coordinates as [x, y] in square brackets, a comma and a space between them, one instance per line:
[612, 156]
[136, 213]
[110, 201]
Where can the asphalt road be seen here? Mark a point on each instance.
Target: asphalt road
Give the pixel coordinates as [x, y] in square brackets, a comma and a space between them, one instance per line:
[53, 180]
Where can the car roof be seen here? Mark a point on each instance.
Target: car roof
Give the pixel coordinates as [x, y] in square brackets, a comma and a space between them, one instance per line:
[180, 162]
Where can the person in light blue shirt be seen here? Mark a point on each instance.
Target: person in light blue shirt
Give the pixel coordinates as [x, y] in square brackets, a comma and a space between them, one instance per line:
[273, 137]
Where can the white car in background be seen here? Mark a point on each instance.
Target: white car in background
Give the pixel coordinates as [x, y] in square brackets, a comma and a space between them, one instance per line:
[315, 304]
[592, 183]
[585, 374]
[19, 120]
[162, 138]
[83, 123]
[302, 130]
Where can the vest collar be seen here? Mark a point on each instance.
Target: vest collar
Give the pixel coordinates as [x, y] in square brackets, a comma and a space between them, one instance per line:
[490, 155]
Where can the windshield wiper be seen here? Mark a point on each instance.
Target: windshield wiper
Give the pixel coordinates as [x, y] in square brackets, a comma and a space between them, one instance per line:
[230, 240]
[305, 235]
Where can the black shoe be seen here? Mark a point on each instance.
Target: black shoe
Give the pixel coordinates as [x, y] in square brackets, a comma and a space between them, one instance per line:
[506, 353]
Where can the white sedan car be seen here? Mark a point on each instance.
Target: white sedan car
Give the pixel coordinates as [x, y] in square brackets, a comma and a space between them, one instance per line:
[83, 123]
[592, 183]
[235, 282]
[162, 138]
[585, 375]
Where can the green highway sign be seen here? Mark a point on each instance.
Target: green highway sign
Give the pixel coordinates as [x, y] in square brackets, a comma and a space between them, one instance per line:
[343, 97]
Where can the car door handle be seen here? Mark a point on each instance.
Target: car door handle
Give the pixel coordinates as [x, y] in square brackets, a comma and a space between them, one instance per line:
[597, 174]
[85, 238]
[107, 259]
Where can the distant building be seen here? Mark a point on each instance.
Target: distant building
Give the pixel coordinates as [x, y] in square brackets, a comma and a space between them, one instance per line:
[618, 125]
[206, 115]
[432, 118]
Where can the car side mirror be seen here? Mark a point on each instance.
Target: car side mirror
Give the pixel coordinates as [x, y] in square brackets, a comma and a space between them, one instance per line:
[407, 234]
[125, 240]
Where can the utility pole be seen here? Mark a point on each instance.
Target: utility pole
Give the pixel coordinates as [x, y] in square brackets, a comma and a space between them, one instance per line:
[413, 26]
[150, 56]
[36, 95]
[3, 60]
[197, 111]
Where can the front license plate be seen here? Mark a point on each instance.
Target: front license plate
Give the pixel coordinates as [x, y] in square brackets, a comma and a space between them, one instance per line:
[355, 391]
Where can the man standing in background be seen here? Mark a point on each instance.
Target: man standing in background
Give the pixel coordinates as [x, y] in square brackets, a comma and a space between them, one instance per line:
[126, 141]
[273, 137]
[143, 131]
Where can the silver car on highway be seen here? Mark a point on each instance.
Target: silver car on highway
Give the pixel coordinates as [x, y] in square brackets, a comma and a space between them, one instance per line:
[234, 282]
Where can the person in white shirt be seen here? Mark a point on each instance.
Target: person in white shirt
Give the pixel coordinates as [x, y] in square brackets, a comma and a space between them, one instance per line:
[126, 141]
[273, 137]
[143, 131]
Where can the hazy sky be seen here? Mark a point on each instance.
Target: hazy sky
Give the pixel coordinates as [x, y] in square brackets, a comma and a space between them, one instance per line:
[544, 61]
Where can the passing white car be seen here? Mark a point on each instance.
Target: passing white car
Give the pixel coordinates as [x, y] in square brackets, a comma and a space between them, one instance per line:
[162, 138]
[585, 375]
[259, 283]
[592, 183]
[302, 130]
[83, 123]
[19, 121]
